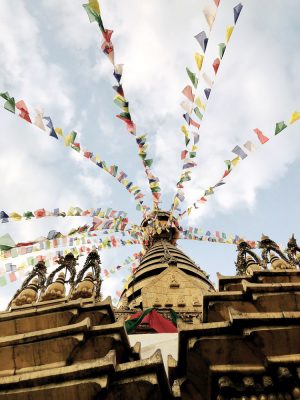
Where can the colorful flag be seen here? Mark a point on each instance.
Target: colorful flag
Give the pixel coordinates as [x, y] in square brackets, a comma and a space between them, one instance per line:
[199, 60]
[294, 117]
[222, 48]
[229, 31]
[192, 77]
[188, 92]
[239, 152]
[280, 126]
[236, 11]
[216, 65]
[263, 139]
[202, 40]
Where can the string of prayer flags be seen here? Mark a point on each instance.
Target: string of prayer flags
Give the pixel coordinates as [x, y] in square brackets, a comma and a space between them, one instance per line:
[121, 101]
[280, 126]
[202, 40]
[9, 104]
[69, 141]
[241, 155]
[261, 137]
[294, 117]
[239, 152]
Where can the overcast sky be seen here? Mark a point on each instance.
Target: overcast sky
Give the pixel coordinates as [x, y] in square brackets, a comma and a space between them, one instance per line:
[50, 58]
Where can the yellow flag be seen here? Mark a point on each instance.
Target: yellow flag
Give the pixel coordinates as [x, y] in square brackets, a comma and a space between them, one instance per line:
[235, 161]
[199, 60]
[184, 130]
[229, 31]
[199, 103]
[189, 210]
[194, 148]
[294, 117]
[94, 5]
[59, 131]
[15, 216]
[176, 202]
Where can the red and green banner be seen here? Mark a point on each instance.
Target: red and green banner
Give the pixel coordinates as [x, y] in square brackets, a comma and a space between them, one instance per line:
[155, 320]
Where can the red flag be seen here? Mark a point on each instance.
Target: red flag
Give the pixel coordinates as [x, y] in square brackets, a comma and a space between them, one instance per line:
[184, 154]
[107, 34]
[194, 123]
[40, 213]
[20, 105]
[216, 65]
[261, 137]
[217, 2]
[188, 92]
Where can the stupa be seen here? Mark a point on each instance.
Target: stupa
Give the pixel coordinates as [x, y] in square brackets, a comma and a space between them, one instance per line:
[61, 340]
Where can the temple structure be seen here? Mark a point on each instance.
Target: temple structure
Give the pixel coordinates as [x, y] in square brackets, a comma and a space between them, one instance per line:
[60, 340]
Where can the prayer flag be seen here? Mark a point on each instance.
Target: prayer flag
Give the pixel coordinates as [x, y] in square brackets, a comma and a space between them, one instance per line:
[263, 139]
[207, 92]
[236, 11]
[216, 65]
[294, 117]
[192, 77]
[280, 126]
[210, 15]
[188, 92]
[222, 48]
[249, 146]
[199, 60]
[202, 40]
[239, 152]
[187, 106]
[229, 31]
[198, 113]
[199, 103]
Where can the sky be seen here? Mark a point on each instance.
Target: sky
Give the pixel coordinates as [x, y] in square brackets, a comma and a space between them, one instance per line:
[51, 58]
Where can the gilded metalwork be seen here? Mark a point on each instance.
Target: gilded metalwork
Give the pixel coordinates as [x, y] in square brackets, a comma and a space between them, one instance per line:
[68, 263]
[267, 245]
[39, 271]
[292, 250]
[243, 248]
[167, 257]
[92, 262]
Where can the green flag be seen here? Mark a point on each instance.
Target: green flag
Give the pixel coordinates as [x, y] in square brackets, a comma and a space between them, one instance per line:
[222, 48]
[280, 126]
[148, 162]
[192, 77]
[198, 113]
[6, 242]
